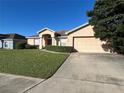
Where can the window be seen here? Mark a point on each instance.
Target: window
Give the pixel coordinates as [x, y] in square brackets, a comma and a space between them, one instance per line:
[6, 44]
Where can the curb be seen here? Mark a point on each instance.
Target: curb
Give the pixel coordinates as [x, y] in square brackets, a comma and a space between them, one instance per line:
[29, 88]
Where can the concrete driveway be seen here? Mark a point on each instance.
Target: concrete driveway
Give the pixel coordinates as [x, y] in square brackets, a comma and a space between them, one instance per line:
[16, 84]
[86, 73]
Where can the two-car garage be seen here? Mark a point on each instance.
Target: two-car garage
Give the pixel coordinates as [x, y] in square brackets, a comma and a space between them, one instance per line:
[83, 40]
[87, 44]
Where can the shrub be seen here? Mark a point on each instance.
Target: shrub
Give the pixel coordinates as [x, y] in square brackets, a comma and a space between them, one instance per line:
[66, 49]
[20, 45]
[31, 46]
[107, 19]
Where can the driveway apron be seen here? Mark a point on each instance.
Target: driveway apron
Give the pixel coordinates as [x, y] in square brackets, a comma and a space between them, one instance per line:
[86, 73]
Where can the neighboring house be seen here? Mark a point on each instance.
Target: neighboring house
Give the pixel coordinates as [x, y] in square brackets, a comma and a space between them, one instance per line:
[80, 38]
[8, 41]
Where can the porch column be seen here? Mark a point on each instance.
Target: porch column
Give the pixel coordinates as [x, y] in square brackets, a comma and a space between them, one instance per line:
[40, 45]
[43, 42]
[53, 41]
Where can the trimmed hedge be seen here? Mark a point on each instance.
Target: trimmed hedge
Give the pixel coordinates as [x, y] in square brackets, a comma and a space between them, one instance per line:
[20, 45]
[31, 46]
[66, 49]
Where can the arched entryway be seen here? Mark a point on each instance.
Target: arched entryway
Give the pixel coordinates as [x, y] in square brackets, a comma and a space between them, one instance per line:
[47, 39]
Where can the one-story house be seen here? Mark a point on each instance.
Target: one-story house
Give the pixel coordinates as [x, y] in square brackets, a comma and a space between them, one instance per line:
[8, 41]
[80, 38]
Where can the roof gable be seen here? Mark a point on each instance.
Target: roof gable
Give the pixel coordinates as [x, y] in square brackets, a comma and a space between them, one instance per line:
[42, 30]
[79, 27]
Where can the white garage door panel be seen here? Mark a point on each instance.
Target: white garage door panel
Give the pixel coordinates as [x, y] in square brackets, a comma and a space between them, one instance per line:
[88, 45]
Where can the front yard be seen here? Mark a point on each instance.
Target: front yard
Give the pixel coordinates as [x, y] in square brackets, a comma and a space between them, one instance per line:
[32, 63]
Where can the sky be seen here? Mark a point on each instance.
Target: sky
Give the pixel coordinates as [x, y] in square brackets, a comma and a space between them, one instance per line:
[27, 17]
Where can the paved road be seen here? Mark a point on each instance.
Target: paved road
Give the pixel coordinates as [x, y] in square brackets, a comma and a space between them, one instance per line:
[86, 73]
[16, 84]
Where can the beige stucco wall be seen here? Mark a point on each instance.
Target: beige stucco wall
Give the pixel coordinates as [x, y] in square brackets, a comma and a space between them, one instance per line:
[30, 41]
[33, 41]
[46, 32]
[86, 31]
[87, 44]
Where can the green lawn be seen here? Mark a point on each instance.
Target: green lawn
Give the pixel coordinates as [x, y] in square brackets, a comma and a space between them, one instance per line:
[32, 63]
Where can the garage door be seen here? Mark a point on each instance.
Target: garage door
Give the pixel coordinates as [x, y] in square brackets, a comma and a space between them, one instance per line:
[88, 44]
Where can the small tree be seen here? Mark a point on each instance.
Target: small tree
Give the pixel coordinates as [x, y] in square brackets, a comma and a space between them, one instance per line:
[107, 17]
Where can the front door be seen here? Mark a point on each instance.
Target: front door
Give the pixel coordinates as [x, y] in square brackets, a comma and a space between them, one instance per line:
[48, 41]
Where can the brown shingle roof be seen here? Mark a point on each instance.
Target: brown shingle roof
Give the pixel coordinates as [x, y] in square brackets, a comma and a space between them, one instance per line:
[2, 36]
[11, 36]
[62, 32]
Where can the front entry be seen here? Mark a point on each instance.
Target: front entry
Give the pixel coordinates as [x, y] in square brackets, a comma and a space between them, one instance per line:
[47, 40]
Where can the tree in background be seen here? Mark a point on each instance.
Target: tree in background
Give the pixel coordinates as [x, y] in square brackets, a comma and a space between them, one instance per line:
[107, 17]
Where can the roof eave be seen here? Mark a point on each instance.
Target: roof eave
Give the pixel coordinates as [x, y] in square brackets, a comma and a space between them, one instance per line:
[32, 37]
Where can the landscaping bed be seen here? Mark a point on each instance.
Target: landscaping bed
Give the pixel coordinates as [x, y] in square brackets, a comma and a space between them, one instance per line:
[66, 49]
[32, 63]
